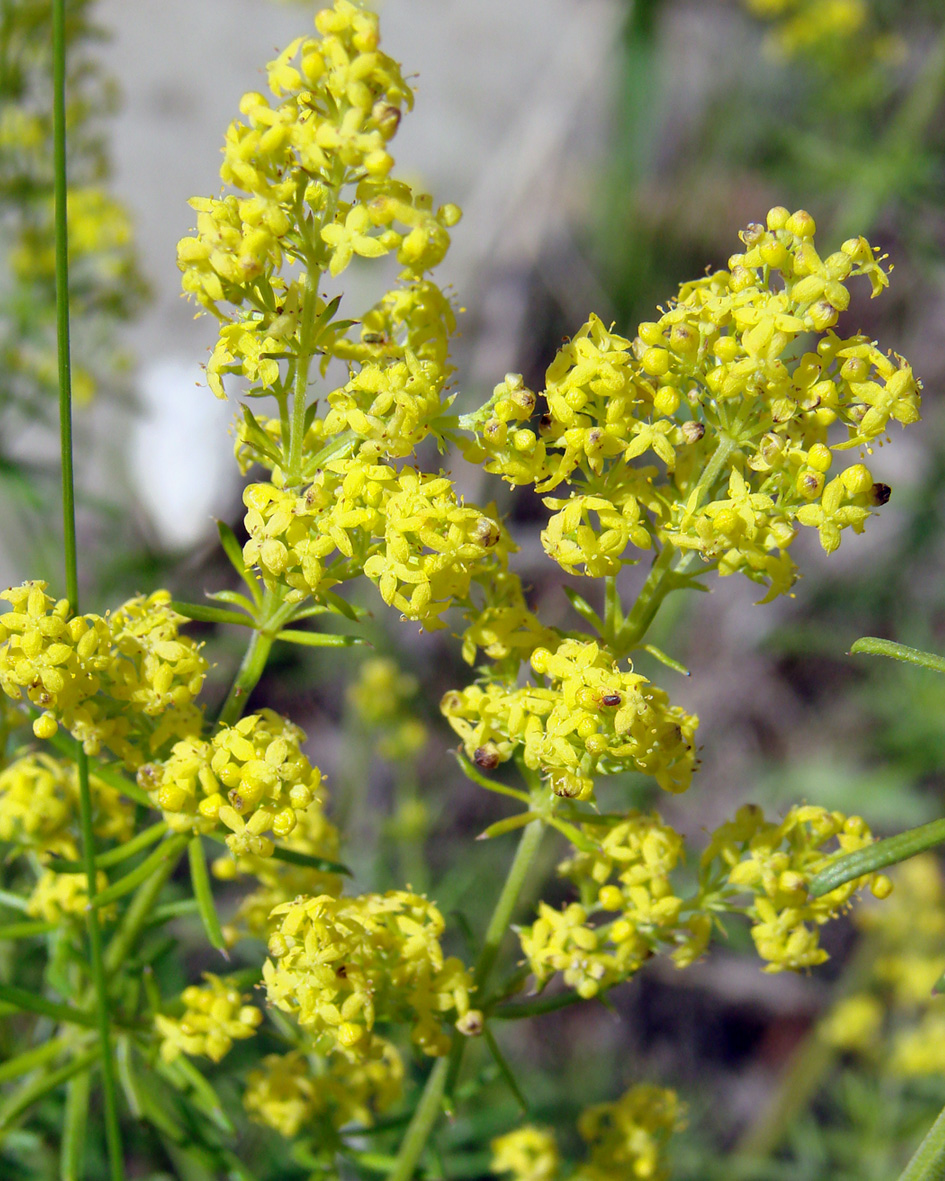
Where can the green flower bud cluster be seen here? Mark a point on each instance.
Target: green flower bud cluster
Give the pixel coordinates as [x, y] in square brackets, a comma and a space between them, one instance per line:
[215, 1016]
[126, 681]
[583, 717]
[341, 964]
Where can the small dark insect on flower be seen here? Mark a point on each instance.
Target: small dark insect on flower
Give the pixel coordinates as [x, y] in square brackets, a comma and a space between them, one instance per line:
[611, 700]
[881, 493]
[486, 757]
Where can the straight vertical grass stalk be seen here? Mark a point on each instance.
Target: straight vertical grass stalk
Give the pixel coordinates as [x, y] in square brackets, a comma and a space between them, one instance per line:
[112, 1127]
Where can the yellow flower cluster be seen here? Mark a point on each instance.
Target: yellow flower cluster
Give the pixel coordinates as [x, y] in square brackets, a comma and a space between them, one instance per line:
[896, 1023]
[215, 1016]
[253, 769]
[641, 853]
[628, 1138]
[126, 682]
[276, 882]
[39, 808]
[285, 1093]
[405, 529]
[733, 418]
[588, 718]
[57, 896]
[528, 1153]
[625, 1139]
[380, 698]
[775, 862]
[824, 30]
[340, 964]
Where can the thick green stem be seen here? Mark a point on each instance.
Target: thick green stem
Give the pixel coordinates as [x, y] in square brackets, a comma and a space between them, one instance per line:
[424, 1118]
[502, 915]
[251, 669]
[60, 190]
[302, 362]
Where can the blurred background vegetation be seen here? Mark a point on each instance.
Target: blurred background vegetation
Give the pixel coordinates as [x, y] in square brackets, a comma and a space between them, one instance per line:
[617, 180]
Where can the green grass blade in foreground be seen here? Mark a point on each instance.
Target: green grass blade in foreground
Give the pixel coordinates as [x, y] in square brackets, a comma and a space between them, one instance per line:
[928, 1164]
[879, 855]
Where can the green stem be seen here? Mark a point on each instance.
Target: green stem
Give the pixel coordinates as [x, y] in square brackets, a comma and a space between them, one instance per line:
[418, 1131]
[60, 189]
[300, 385]
[644, 610]
[446, 1070]
[247, 678]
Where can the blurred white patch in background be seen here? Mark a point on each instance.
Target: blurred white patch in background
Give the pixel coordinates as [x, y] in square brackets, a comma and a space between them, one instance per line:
[181, 452]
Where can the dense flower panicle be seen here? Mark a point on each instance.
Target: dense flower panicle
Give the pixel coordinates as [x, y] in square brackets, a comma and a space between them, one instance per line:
[39, 808]
[252, 777]
[588, 718]
[285, 1093]
[87, 670]
[313, 189]
[405, 529]
[629, 908]
[340, 964]
[710, 430]
[628, 1138]
[215, 1016]
[528, 1153]
[775, 862]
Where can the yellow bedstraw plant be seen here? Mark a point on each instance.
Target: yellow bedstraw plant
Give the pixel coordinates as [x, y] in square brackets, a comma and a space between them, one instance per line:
[704, 442]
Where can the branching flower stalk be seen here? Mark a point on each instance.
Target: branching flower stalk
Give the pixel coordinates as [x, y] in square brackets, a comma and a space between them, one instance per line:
[703, 443]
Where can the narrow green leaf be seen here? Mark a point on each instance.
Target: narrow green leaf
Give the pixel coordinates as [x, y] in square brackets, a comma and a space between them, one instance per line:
[232, 548]
[211, 614]
[517, 1010]
[584, 609]
[510, 824]
[72, 1154]
[203, 895]
[847, 866]
[168, 848]
[234, 598]
[340, 446]
[320, 639]
[124, 1060]
[172, 910]
[505, 1070]
[184, 1076]
[34, 1090]
[26, 930]
[32, 1059]
[661, 656]
[574, 835]
[477, 777]
[13, 901]
[114, 856]
[31, 1002]
[260, 440]
[872, 646]
[341, 607]
[928, 1163]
